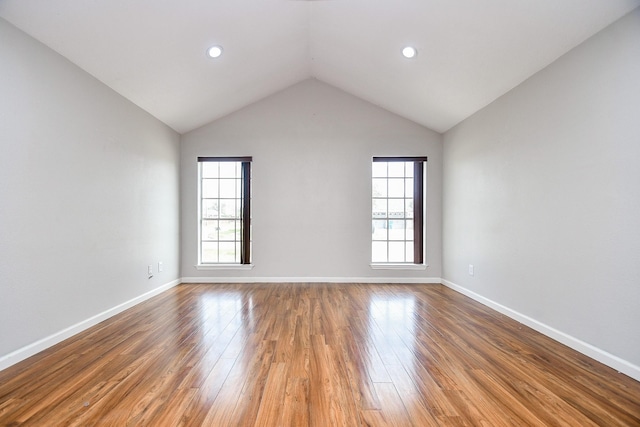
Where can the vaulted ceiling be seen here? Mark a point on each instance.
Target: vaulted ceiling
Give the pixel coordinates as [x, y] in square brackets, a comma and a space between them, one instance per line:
[470, 52]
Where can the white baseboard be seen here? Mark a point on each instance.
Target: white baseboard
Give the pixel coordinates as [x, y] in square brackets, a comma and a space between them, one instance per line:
[40, 345]
[587, 349]
[245, 279]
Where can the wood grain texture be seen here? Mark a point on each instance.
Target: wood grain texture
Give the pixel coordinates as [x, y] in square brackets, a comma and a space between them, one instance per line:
[314, 355]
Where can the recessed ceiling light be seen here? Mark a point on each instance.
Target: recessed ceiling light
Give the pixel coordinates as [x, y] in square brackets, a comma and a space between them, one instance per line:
[409, 52]
[214, 51]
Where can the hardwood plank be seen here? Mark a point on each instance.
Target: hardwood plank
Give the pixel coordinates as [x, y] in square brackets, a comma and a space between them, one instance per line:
[198, 408]
[416, 404]
[295, 407]
[322, 390]
[254, 388]
[393, 410]
[271, 405]
[359, 372]
[317, 354]
[172, 412]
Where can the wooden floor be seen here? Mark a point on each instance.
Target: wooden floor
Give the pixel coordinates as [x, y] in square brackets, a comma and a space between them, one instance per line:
[314, 355]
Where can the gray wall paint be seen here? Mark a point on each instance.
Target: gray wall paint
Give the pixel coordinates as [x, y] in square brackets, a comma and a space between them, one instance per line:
[541, 195]
[312, 147]
[88, 193]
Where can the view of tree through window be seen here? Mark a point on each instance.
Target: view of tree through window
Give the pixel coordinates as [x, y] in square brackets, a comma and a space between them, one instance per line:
[224, 210]
[397, 210]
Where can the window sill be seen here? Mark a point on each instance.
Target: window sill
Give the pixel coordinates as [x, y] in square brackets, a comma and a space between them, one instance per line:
[224, 266]
[391, 266]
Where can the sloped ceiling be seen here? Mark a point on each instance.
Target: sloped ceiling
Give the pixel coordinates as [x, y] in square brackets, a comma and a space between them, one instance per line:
[470, 52]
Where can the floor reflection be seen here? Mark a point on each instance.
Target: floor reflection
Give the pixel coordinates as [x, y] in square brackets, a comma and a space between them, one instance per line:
[392, 327]
[224, 320]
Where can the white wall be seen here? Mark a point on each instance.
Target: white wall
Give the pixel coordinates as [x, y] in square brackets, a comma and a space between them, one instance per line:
[312, 147]
[542, 196]
[88, 197]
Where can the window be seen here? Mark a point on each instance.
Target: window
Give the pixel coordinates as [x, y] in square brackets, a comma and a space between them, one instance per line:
[397, 202]
[225, 210]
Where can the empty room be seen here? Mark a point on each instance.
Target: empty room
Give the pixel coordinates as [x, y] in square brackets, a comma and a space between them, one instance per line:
[320, 213]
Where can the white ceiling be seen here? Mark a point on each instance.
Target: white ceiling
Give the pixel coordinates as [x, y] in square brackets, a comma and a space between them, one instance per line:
[470, 52]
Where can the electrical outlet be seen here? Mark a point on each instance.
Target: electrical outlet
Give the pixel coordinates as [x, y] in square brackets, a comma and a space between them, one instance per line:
[470, 269]
[160, 268]
[150, 271]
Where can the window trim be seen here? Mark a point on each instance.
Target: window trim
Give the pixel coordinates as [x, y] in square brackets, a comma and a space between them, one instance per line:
[245, 239]
[419, 213]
